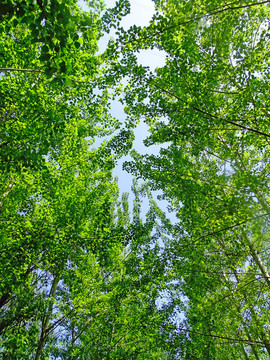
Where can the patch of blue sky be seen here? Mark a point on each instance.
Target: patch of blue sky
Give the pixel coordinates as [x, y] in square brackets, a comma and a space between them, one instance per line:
[140, 15]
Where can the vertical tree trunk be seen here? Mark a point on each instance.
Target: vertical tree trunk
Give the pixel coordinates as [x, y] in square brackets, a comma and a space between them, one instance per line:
[257, 259]
[253, 348]
[46, 319]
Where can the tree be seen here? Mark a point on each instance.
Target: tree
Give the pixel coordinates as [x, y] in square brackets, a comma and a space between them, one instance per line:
[214, 171]
[67, 270]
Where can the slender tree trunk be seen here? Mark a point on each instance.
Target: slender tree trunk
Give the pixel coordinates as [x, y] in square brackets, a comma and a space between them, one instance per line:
[259, 327]
[257, 259]
[46, 319]
[254, 316]
[253, 348]
[73, 339]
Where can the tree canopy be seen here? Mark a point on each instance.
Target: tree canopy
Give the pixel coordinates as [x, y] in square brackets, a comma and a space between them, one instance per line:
[84, 273]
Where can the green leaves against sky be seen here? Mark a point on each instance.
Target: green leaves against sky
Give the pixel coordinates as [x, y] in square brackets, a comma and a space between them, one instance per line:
[82, 275]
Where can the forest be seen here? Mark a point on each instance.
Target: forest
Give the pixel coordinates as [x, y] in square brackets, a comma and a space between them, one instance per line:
[88, 274]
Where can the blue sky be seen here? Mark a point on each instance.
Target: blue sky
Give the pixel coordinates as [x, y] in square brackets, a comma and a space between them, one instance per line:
[140, 15]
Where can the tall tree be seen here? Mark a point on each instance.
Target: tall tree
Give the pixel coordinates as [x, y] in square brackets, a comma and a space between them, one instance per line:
[208, 104]
[79, 278]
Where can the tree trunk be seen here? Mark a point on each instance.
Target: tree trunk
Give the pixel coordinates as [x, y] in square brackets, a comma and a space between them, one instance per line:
[46, 319]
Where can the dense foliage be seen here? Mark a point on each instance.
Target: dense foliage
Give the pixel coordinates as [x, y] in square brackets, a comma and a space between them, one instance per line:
[71, 259]
[209, 104]
[80, 276]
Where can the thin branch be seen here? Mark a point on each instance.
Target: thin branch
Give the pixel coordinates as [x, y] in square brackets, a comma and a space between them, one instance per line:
[22, 70]
[186, 22]
[224, 337]
[209, 114]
